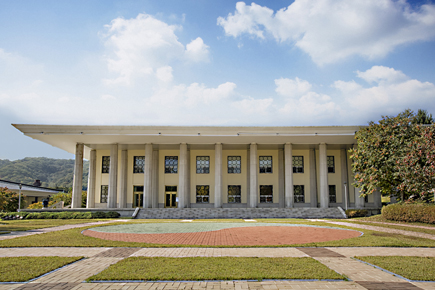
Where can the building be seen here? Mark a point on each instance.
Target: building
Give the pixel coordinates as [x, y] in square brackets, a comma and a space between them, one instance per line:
[31, 193]
[210, 167]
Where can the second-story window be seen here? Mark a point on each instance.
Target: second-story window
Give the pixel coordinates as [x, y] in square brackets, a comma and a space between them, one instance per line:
[171, 164]
[330, 163]
[202, 164]
[105, 164]
[298, 164]
[265, 164]
[234, 164]
[139, 164]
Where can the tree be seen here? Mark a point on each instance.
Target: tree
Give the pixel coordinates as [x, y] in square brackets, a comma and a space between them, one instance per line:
[9, 200]
[423, 118]
[387, 153]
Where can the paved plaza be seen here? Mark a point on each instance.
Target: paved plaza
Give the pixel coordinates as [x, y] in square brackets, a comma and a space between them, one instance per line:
[339, 259]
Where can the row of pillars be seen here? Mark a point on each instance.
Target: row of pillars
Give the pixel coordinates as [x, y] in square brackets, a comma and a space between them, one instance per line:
[150, 199]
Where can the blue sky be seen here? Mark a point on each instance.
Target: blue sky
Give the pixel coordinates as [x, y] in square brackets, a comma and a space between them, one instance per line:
[287, 63]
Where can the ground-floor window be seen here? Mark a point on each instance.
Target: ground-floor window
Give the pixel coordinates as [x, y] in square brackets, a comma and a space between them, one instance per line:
[266, 193]
[234, 195]
[138, 196]
[299, 193]
[202, 193]
[332, 194]
[104, 193]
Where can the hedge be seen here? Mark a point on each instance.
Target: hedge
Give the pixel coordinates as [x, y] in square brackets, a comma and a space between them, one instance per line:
[413, 212]
[353, 213]
[59, 215]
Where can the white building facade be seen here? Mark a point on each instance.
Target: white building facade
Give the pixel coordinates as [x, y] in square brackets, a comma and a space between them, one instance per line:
[210, 167]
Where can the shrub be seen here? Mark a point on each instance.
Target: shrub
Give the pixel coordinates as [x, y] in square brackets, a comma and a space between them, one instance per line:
[353, 213]
[112, 214]
[410, 212]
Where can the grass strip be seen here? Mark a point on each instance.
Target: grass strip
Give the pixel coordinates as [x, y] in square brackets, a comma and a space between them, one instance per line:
[413, 268]
[215, 268]
[33, 224]
[21, 269]
[396, 227]
[74, 238]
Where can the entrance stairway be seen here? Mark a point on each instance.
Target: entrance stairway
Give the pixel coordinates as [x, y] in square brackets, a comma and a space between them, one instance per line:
[242, 213]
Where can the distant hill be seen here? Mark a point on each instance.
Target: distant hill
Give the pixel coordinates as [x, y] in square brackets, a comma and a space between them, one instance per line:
[53, 173]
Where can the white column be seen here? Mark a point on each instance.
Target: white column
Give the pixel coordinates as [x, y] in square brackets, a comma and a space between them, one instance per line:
[123, 180]
[218, 175]
[113, 177]
[344, 178]
[359, 201]
[155, 191]
[148, 176]
[289, 194]
[281, 178]
[182, 176]
[313, 178]
[90, 202]
[253, 176]
[323, 176]
[377, 199]
[76, 201]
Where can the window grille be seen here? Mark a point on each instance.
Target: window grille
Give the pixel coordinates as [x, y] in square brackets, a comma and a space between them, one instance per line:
[234, 164]
[266, 193]
[202, 164]
[139, 164]
[105, 164]
[299, 194]
[171, 164]
[234, 194]
[265, 164]
[298, 164]
[202, 193]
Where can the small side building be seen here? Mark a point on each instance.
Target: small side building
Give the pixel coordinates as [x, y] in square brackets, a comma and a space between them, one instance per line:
[31, 193]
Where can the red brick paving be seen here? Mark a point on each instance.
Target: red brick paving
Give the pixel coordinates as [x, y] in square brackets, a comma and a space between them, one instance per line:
[241, 236]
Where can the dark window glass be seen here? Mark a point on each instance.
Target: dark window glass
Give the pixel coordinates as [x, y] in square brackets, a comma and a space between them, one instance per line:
[202, 164]
[266, 193]
[202, 193]
[104, 193]
[170, 189]
[330, 162]
[332, 194]
[265, 163]
[139, 164]
[298, 164]
[234, 164]
[106, 164]
[299, 194]
[234, 194]
[171, 164]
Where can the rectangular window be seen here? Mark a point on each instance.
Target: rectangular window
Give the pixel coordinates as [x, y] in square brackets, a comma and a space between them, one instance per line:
[139, 164]
[234, 164]
[299, 193]
[266, 193]
[171, 164]
[330, 162]
[332, 194]
[265, 163]
[234, 195]
[202, 193]
[105, 164]
[298, 164]
[104, 193]
[202, 164]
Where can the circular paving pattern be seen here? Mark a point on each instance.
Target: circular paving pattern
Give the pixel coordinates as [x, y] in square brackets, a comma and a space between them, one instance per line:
[220, 234]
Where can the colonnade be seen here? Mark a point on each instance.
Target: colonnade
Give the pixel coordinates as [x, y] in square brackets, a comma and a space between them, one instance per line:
[150, 199]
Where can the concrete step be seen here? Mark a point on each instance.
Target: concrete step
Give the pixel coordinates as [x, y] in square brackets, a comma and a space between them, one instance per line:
[243, 213]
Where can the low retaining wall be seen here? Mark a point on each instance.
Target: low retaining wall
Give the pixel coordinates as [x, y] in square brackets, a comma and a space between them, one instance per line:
[214, 213]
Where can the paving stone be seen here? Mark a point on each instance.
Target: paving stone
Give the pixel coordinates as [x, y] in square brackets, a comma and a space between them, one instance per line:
[118, 252]
[319, 252]
[384, 251]
[54, 251]
[387, 285]
[47, 286]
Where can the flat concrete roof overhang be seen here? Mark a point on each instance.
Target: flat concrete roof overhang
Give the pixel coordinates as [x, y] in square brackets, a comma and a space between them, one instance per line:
[167, 137]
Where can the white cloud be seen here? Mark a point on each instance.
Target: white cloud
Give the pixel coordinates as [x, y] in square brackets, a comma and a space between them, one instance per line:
[144, 46]
[384, 74]
[332, 30]
[292, 88]
[164, 74]
[197, 51]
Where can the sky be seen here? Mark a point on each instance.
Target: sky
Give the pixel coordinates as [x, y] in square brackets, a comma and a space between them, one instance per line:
[204, 62]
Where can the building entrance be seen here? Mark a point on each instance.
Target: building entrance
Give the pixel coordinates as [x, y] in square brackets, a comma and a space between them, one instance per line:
[171, 196]
[138, 196]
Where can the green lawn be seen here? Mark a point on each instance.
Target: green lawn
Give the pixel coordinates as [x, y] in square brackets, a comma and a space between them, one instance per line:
[33, 224]
[211, 268]
[21, 269]
[413, 268]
